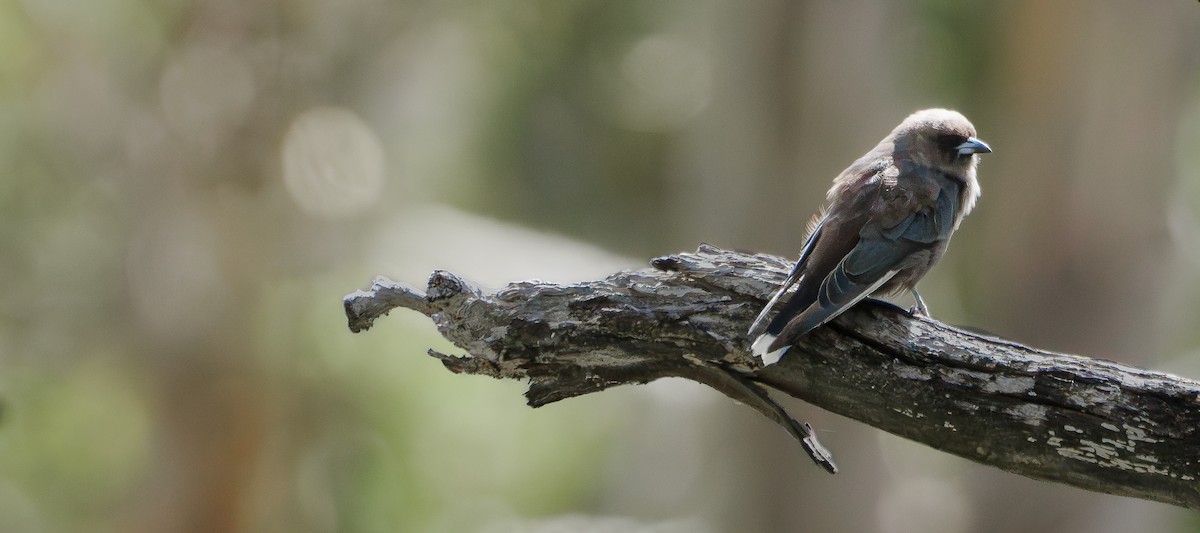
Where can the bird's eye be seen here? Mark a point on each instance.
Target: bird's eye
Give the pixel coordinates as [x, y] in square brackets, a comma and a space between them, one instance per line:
[950, 141]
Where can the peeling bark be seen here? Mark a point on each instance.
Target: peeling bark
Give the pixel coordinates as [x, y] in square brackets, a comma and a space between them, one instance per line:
[1089, 423]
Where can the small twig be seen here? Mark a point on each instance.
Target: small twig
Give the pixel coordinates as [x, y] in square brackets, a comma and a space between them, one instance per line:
[735, 385]
[363, 307]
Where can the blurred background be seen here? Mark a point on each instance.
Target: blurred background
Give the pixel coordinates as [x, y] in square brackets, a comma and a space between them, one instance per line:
[187, 190]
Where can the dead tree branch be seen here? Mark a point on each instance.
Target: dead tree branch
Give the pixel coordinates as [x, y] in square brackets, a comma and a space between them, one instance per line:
[1085, 422]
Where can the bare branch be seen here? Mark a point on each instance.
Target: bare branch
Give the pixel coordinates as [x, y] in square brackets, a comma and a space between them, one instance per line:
[1085, 422]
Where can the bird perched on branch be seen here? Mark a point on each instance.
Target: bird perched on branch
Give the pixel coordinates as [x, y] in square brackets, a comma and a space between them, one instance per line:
[888, 219]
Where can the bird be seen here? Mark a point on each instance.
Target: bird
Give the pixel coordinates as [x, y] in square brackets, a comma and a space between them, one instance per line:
[887, 220]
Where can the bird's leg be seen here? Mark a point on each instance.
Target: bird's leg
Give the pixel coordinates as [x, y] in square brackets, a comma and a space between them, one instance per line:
[919, 309]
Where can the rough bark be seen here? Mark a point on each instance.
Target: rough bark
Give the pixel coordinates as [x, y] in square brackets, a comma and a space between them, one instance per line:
[1086, 422]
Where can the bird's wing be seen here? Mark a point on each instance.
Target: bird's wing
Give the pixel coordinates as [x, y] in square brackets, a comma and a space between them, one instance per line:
[927, 223]
[761, 321]
[879, 254]
[833, 237]
[868, 266]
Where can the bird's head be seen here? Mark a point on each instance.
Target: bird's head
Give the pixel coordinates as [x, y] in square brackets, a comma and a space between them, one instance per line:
[939, 138]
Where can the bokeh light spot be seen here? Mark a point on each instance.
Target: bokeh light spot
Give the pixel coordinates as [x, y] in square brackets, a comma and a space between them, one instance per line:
[332, 162]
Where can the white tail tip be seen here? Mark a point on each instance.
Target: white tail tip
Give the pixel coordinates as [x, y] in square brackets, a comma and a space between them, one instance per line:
[760, 346]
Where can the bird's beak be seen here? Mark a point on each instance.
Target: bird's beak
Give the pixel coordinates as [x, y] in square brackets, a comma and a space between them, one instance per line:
[973, 146]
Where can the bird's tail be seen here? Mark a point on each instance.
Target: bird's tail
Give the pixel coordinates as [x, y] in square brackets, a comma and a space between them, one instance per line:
[772, 327]
[761, 321]
[837, 294]
[761, 348]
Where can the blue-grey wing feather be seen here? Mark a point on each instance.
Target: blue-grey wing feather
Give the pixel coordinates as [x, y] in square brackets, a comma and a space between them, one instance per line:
[840, 290]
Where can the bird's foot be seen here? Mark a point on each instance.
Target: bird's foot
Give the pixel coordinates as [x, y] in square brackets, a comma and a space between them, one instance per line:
[919, 310]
